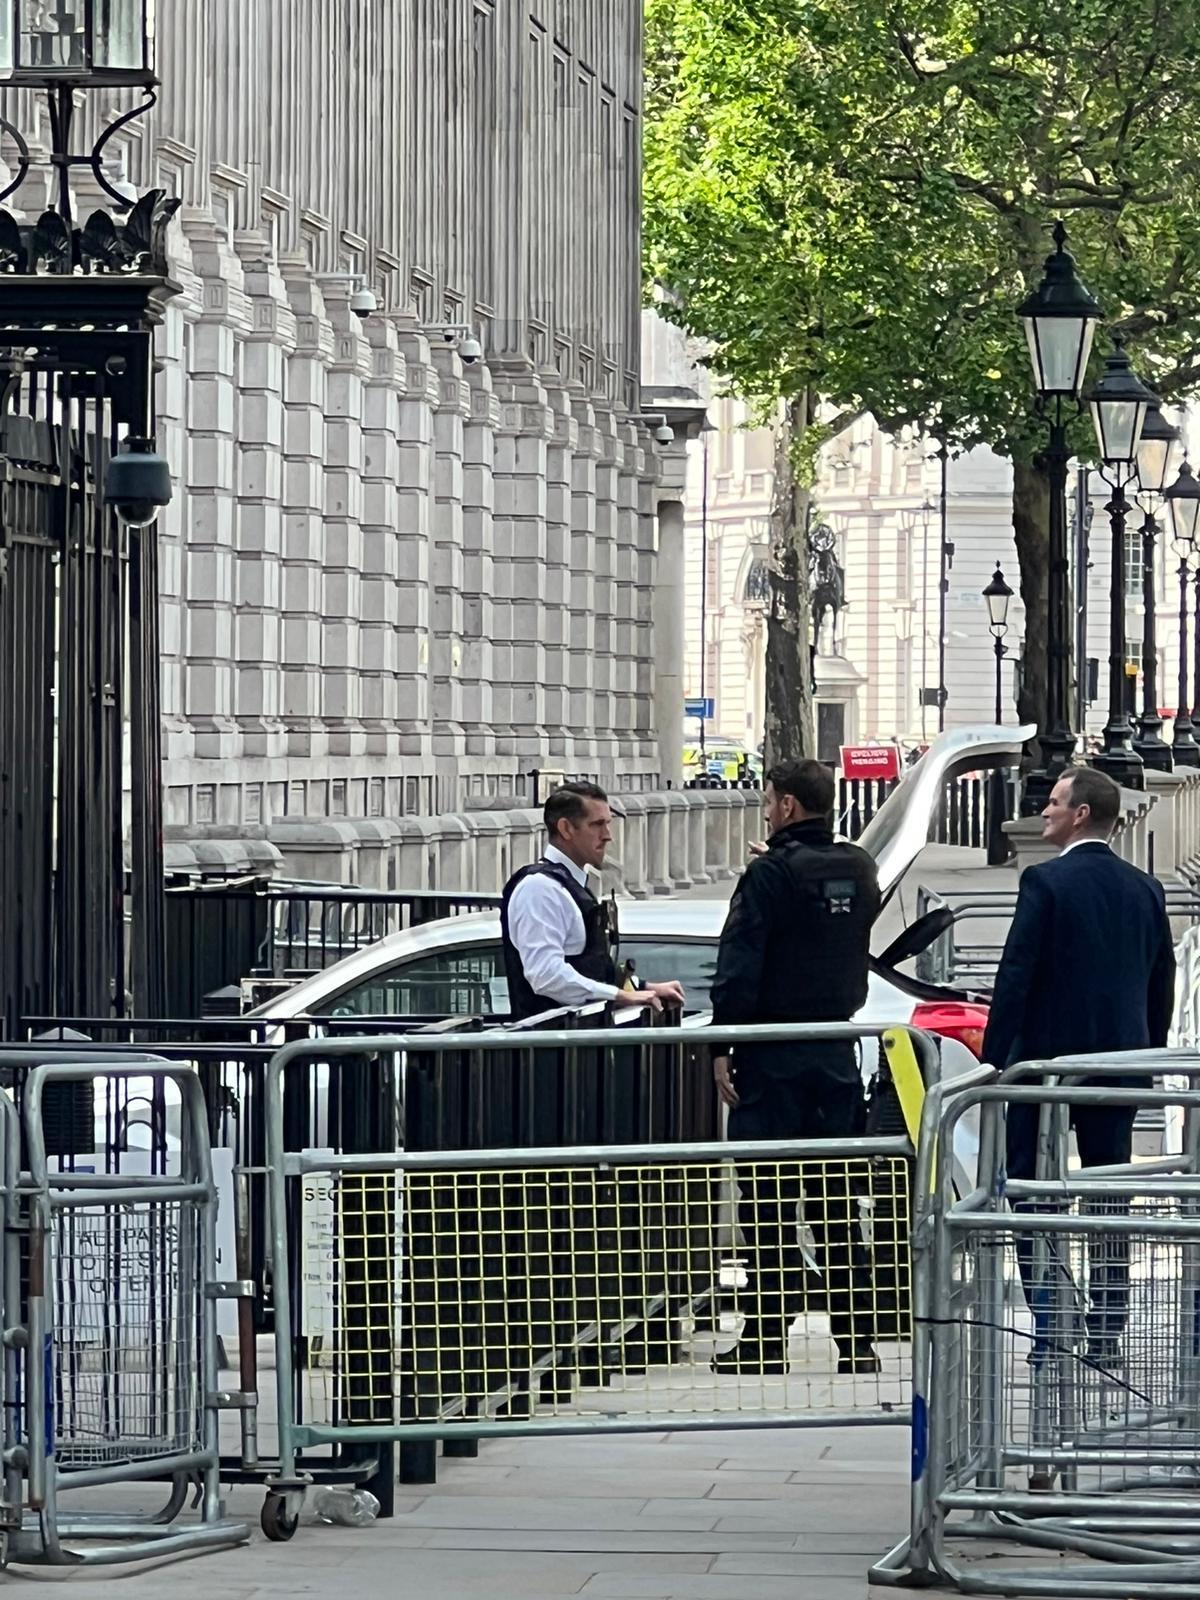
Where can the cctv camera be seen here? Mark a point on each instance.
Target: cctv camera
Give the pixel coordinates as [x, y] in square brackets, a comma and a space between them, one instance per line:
[363, 302]
[137, 483]
[449, 336]
[471, 351]
[664, 434]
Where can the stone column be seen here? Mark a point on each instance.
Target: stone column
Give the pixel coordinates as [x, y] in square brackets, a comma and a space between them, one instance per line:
[258, 637]
[625, 575]
[173, 347]
[604, 564]
[379, 701]
[210, 533]
[582, 653]
[453, 409]
[645, 652]
[1166, 844]
[556, 605]
[669, 633]
[477, 670]
[303, 509]
[526, 427]
[415, 494]
[343, 555]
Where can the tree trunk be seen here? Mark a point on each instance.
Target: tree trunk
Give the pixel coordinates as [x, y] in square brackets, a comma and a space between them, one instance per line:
[789, 704]
[1031, 523]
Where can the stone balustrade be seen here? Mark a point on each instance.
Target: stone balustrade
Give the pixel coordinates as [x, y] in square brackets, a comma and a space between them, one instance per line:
[1159, 829]
[664, 842]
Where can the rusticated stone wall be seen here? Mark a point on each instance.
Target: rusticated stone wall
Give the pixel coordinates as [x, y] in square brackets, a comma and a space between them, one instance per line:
[393, 582]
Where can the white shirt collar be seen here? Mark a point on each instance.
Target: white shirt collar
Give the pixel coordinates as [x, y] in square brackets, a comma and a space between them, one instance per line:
[1075, 843]
[553, 853]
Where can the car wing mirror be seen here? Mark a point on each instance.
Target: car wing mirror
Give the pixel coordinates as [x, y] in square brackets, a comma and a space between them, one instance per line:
[918, 936]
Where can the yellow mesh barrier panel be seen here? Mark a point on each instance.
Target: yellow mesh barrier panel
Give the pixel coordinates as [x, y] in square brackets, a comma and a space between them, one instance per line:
[630, 1291]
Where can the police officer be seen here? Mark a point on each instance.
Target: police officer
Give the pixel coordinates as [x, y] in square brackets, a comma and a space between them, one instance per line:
[559, 940]
[796, 948]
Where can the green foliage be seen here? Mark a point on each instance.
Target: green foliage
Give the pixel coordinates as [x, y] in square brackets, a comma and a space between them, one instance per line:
[855, 194]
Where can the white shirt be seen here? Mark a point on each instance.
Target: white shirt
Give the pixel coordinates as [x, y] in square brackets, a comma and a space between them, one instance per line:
[1075, 843]
[546, 927]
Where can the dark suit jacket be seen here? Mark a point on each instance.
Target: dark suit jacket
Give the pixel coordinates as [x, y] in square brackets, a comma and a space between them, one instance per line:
[1088, 965]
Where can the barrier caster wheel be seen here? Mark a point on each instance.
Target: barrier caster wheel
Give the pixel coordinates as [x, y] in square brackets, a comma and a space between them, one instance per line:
[277, 1522]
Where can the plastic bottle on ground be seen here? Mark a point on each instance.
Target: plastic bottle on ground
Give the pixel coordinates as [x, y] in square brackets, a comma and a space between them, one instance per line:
[346, 1508]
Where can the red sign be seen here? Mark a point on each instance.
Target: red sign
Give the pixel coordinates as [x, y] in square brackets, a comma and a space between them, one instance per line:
[870, 761]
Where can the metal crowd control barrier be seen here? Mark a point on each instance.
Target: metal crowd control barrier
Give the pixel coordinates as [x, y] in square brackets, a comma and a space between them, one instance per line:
[1186, 1021]
[1065, 1352]
[457, 1294]
[112, 1376]
[472, 1095]
[950, 960]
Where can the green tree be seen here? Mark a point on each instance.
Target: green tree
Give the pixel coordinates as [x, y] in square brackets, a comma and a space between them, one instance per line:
[848, 198]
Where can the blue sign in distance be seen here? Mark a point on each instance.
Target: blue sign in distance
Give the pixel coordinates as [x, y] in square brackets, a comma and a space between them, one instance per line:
[699, 708]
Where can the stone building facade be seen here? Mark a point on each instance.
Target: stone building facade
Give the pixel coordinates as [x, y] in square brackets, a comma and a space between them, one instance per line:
[395, 581]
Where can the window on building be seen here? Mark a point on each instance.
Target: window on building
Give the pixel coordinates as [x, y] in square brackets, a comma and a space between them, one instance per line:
[903, 562]
[712, 570]
[1133, 564]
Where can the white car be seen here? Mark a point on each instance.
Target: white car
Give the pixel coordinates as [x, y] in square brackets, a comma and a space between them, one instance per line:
[455, 967]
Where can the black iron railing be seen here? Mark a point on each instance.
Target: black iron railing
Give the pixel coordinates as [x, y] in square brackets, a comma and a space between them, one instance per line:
[962, 816]
[222, 934]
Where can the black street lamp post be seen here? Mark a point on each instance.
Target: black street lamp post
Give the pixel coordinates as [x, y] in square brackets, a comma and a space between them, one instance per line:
[1184, 750]
[997, 595]
[1156, 464]
[1060, 319]
[1119, 402]
[1183, 500]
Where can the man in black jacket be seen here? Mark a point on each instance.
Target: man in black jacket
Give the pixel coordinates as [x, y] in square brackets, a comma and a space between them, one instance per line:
[1088, 967]
[796, 948]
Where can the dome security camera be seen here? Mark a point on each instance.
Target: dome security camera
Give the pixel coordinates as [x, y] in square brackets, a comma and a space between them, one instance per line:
[470, 350]
[137, 483]
[363, 302]
[664, 433]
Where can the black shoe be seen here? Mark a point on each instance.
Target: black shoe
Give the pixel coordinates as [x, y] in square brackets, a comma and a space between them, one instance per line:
[859, 1358]
[752, 1358]
[1042, 1482]
[1104, 1350]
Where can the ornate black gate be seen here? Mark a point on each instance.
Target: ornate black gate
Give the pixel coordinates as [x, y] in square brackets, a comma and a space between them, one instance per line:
[81, 899]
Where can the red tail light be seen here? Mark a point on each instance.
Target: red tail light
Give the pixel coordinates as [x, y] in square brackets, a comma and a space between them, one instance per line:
[954, 1019]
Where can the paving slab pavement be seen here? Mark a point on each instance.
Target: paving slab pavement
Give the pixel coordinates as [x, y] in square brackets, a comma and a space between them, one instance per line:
[786, 1514]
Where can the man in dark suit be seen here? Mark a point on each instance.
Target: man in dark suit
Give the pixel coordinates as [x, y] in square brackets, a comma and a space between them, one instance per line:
[1088, 967]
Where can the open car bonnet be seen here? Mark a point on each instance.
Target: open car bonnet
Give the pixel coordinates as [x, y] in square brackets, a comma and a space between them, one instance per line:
[900, 829]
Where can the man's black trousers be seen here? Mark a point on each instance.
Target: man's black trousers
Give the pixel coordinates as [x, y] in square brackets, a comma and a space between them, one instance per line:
[811, 1091]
